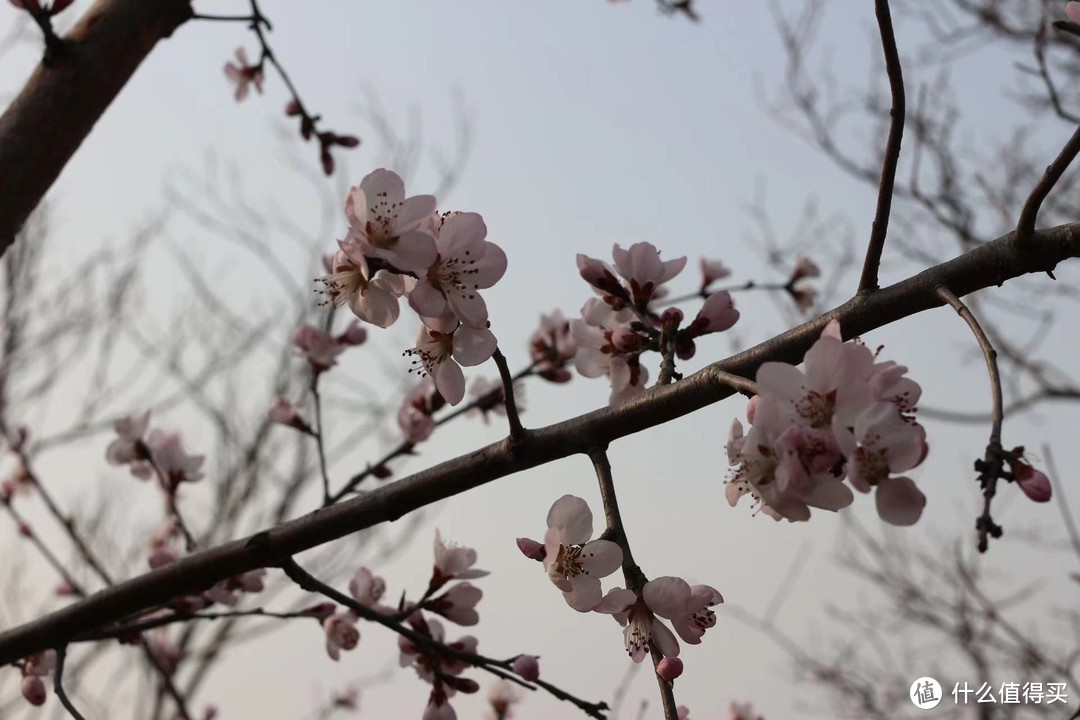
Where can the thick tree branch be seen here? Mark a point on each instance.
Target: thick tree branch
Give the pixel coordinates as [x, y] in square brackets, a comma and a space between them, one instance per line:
[61, 101]
[986, 266]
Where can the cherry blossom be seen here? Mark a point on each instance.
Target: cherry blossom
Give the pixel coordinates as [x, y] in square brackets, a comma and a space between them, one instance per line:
[129, 448]
[171, 461]
[453, 562]
[442, 350]
[711, 271]
[414, 416]
[488, 395]
[165, 652]
[717, 314]
[286, 413]
[643, 269]
[683, 712]
[385, 224]
[465, 264]
[371, 296]
[527, 666]
[368, 589]
[1033, 482]
[411, 656]
[742, 711]
[804, 268]
[669, 669]
[686, 606]
[1072, 11]
[34, 668]
[642, 629]
[503, 695]
[318, 348]
[341, 633]
[552, 347]
[606, 345]
[885, 442]
[244, 75]
[458, 604]
[574, 563]
[439, 707]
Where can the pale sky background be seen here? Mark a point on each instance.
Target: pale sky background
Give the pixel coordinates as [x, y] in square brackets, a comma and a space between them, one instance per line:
[594, 123]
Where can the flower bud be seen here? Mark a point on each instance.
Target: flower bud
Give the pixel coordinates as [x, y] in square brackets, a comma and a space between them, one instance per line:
[527, 666]
[669, 668]
[531, 549]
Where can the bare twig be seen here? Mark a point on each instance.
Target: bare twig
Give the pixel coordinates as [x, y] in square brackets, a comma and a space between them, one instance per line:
[868, 282]
[517, 432]
[58, 684]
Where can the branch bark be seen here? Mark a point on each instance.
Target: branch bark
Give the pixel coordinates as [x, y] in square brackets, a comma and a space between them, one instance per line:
[65, 96]
[986, 266]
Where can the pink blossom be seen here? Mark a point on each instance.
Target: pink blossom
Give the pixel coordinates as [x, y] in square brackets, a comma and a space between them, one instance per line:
[552, 347]
[355, 334]
[503, 695]
[641, 628]
[318, 348]
[531, 549]
[574, 563]
[346, 699]
[164, 650]
[683, 712]
[33, 689]
[606, 345]
[453, 562]
[1033, 482]
[527, 666]
[717, 314]
[602, 277]
[711, 271]
[244, 75]
[804, 268]
[368, 589]
[669, 669]
[742, 711]
[643, 269]
[1072, 11]
[371, 296]
[465, 264]
[341, 633]
[385, 224]
[441, 351]
[286, 413]
[410, 655]
[438, 707]
[884, 442]
[414, 416]
[458, 604]
[488, 395]
[171, 461]
[686, 607]
[129, 448]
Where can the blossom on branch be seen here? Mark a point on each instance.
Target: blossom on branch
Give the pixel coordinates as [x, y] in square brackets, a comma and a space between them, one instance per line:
[573, 562]
[244, 75]
[384, 224]
[443, 346]
[341, 633]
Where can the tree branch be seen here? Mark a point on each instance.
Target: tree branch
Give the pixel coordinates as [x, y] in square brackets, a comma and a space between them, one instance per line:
[868, 282]
[988, 265]
[54, 112]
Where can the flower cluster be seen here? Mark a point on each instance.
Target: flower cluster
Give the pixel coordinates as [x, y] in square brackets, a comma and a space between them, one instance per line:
[844, 415]
[575, 564]
[400, 247]
[153, 453]
[621, 324]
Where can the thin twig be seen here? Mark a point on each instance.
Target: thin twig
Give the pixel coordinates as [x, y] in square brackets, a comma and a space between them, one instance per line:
[992, 464]
[318, 434]
[517, 432]
[48, 554]
[632, 574]
[123, 631]
[428, 644]
[1025, 226]
[58, 684]
[868, 282]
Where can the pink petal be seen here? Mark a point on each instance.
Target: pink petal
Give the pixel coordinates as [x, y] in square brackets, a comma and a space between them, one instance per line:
[899, 501]
[472, 346]
[600, 558]
[585, 595]
[450, 381]
[664, 639]
[572, 518]
[667, 596]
